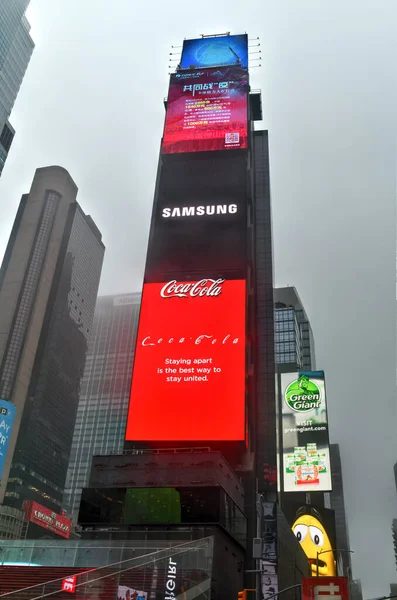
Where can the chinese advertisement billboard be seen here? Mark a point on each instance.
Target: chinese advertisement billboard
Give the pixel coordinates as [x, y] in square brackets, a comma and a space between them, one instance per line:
[215, 51]
[44, 517]
[207, 109]
[314, 528]
[327, 588]
[189, 369]
[305, 461]
[7, 415]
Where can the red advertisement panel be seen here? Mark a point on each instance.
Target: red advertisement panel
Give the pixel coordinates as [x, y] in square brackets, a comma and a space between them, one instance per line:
[207, 110]
[40, 515]
[69, 584]
[189, 370]
[325, 588]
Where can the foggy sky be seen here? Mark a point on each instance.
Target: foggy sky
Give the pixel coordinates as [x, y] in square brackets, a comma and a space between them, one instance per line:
[92, 102]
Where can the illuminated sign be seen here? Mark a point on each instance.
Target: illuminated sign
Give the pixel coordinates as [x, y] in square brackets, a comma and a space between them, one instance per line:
[189, 369]
[191, 211]
[127, 593]
[199, 223]
[215, 51]
[69, 584]
[7, 415]
[44, 517]
[207, 110]
[306, 463]
[328, 588]
[314, 528]
[170, 583]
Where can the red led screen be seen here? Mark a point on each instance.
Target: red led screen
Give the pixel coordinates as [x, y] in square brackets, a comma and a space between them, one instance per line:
[189, 370]
[206, 110]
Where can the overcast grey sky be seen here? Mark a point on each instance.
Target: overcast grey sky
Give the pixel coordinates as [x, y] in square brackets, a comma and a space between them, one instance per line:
[92, 102]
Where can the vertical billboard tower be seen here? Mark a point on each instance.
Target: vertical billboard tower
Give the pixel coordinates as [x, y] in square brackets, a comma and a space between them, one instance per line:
[189, 379]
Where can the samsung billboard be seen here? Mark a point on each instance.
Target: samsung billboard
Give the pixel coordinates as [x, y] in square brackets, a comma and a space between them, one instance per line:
[305, 457]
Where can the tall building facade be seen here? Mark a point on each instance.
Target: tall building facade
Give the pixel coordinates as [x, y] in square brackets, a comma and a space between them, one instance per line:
[337, 504]
[16, 47]
[294, 342]
[200, 453]
[48, 287]
[105, 390]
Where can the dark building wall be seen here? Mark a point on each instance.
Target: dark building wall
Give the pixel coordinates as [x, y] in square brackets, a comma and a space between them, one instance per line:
[265, 421]
[43, 447]
[338, 505]
[292, 562]
[166, 469]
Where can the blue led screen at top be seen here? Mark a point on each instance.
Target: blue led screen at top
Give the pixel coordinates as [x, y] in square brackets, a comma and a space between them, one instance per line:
[215, 51]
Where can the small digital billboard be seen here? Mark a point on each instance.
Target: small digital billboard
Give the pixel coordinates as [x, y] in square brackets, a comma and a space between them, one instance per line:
[126, 593]
[215, 51]
[7, 415]
[306, 463]
[314, 528]
[207, 109]
[46, 518]
[189, 370]
[326, 588]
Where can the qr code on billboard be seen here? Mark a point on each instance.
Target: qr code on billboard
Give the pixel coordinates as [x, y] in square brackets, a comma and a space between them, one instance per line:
[232, 138]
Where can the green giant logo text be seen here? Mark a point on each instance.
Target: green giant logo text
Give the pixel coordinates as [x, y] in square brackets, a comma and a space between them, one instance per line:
[303, 395]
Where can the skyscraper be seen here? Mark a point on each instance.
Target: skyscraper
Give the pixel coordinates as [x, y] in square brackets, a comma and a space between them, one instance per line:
[293, 334]
[48, 287]
[337, 502]
[16, 47]
[105, 390]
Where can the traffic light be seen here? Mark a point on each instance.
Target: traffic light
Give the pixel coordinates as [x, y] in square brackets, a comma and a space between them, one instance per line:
[242, 595]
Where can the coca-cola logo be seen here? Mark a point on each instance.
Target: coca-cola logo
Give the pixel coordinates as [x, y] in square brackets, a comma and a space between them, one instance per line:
[204, 287]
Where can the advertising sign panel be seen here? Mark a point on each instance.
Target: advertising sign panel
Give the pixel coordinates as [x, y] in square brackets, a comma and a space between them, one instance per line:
[7, 415]
[199, 221]
[314, 528]
[189, 369]
[127, 593]
[305, 456]
[215, 51]
[326, 588]
[207, 109]
[268, 560]
[69, 584]
[44, 517]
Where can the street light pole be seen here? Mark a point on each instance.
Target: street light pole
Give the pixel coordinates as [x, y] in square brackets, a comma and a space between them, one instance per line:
[331, 550]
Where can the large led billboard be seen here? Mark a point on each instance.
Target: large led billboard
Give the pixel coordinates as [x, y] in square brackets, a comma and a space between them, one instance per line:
[305, 440]
[314, 528]
[207, 109]
[199, 220]
[189, 368]
[7, 415]
[215, 51]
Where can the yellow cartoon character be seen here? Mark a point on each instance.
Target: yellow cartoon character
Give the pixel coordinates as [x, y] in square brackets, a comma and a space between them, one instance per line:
[314, 540]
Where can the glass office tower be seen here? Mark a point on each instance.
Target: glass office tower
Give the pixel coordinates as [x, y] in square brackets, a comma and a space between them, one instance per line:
[48, 287]
[105, 390]
[294, 343]
[16, 47]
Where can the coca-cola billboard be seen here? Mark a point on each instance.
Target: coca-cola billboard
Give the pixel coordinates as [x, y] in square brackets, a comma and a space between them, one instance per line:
[189, 370]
